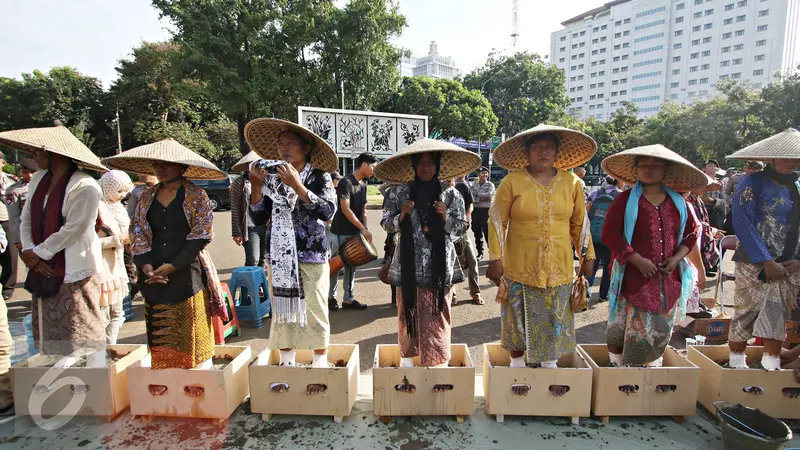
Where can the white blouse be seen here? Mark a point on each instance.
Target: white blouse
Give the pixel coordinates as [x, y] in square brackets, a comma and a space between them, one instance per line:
[76, 237]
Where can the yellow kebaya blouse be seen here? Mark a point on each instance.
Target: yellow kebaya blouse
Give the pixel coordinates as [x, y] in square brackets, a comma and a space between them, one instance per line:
[542, 222]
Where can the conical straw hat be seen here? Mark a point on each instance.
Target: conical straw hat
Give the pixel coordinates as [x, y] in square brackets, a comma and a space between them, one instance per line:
[243, 164]
[140, 160]
[56, 139]
[455, 161]
[262, 136]
[574, 148]
[784, 145]
[681, 175]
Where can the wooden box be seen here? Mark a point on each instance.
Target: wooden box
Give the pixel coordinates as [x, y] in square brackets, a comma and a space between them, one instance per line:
[105, 389]
[387, 375]
[718, 384]
[715, 330]
[224, 390]
[679, 378]
[572, 371]
[336, 401]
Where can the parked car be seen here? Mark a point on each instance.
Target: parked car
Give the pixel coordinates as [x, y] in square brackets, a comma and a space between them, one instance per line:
[219, 192]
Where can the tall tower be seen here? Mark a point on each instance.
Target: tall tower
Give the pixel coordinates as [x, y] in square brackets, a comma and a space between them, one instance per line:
[514, 22]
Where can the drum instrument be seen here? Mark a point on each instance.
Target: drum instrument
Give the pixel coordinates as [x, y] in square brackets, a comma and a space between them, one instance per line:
[355, 252]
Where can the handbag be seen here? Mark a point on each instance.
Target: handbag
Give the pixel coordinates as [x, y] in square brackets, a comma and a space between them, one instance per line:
[580, 287]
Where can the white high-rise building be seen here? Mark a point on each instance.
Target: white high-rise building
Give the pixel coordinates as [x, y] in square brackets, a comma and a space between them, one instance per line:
[651, 51]
[435, 65]
[406, 66]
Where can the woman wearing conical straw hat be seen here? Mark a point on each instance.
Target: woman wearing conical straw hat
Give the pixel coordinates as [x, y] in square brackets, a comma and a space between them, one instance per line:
[244, 231]
[169, 232]
[429, 216]
[766, 219]
[63, 255]
[292, 189]
[538, 215]
[650, 231]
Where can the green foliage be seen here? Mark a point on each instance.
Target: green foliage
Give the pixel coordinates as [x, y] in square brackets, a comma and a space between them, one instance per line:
[452, 110]
[523, 90]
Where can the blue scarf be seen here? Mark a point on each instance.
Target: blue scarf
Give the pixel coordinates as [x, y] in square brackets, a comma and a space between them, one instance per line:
[618, 270]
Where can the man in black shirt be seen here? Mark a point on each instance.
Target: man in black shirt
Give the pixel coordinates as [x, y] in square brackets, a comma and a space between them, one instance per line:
[350, 220]
[466, 252]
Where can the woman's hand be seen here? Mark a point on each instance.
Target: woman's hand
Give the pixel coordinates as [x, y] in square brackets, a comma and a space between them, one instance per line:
[645, 266]
[408, 206]
[792, 266]
[290, 177]
[440, 209]
[43, 268]
[152, 278]
[588, 268]
[495, 271]
[257, 177]
[670, 264]
[238, 240]
[164, 270]
[775, 271]
[30, 259]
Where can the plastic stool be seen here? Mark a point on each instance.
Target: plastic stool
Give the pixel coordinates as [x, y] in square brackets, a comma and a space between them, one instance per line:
[250, 306]
[223, 330]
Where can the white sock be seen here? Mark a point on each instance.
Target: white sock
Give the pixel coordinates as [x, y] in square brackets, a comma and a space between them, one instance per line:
[320, 361]
[769, 362]
[406, 362]
[657, 363]
[549, 364]
[615, 358]
[287, 358]
[205, 365]
[517, 362]
[738, 360]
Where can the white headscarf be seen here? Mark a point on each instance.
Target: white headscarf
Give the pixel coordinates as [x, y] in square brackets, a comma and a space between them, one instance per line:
[113, 182]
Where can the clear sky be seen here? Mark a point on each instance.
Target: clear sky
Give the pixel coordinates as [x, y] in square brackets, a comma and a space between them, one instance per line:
[92, 35]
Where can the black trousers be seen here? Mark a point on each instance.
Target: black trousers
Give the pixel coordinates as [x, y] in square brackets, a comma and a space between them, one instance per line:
[480, 227]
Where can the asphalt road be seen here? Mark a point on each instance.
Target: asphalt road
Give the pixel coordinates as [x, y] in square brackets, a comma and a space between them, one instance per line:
[472, 324]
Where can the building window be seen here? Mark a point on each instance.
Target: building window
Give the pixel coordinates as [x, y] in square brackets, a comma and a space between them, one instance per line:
[724, 63]
[708, 26]
[572, 89]
[672, 97]
[613, 104]
[648, 62]
[595, 29]
[561, 60]
[593, 74]
[698, 2]
[563, 38]
[580, 88]
[599, 96]
[679, 19]
[694, 56]
[676, 71]
[600, 106]
[645, 88]
[581, 55]
[617, 35]
[703, 80]
[741, 18]
[594, 63]
[705, 67]
[727, 35]
[724, 77]
[760, 57]
[675, 85]
[695, 41]
[693, 69]
[709, 12]
[650, 12]
[582, 44]
[594, 41]
[677, 46]
[679, 33]
[614, 94]
[580, 66]
[706, 53]
[594, 52]
[692, 82]
[626, 45]
[651, 24]
[646, 75]
[648, 50]
[574, 57]
[761, 28]
[759, 72]
[761, 43]
[604, 27]
[691, 94]
[623, 92]
[603, 72]
[624, 57]
[616, 59]
[601, 84]
[729, 7]
[741, 32]
[742, 3]
[623, 81]
[647, 38]
[646, 99]
[727, 22]
[603, 50]
[580, 77]
[706, 40]
[614, 82]
[615, 70]
[591, 106]
[698, 14]
[626, 33]
[736, 76]
[737, 61]
[676, 59]
[592, 97]
[625, 69]
[697, 28]
[725, 49]
[583, 33]
[580, 99]
[574, 46]
[617, 23]
[627, 21]
[616, 47]
[738, 47]
[679, 6]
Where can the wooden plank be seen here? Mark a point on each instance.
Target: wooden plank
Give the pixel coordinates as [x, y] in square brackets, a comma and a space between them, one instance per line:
[718, 384]
[224, 389]
[387, 374]
[337, 400]
[679, 381]
[573, 371]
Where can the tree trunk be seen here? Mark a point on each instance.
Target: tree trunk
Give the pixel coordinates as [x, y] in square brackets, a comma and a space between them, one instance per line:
[241, 121]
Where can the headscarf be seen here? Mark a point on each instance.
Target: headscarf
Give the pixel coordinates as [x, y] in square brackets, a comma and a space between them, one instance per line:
[115, 182]
[423, 194]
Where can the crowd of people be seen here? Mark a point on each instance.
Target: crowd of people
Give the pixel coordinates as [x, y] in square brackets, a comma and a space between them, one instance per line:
[653, 227]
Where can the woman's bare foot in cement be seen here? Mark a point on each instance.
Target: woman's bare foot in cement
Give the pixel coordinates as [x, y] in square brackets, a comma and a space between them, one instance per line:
[629, 388]
[442, 387]
[520, 389]
[157, 389]
[558, 390]
[312, 389]
[279, 388]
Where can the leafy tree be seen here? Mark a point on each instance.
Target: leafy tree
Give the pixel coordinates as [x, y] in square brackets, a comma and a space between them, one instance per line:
[524, 90]
[780, 103]
[452, 110]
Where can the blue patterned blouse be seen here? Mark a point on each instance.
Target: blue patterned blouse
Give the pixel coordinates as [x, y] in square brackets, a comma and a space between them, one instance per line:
[761, 212]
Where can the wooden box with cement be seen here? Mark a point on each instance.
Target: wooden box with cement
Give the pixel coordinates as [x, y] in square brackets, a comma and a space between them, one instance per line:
[341, 384]
[387, 376]
[573, 371]
[767, 391]
[220, 391]
[670, 390]
[102, 383]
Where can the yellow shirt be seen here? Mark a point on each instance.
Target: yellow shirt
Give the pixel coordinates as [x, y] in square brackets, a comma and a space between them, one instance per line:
[542, 223]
